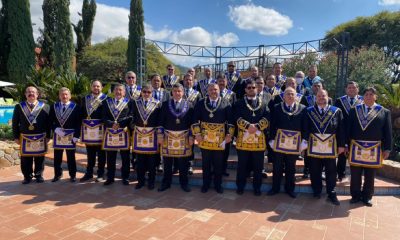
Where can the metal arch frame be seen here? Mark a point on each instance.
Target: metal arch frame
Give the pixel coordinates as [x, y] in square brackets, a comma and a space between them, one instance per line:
[241, 54]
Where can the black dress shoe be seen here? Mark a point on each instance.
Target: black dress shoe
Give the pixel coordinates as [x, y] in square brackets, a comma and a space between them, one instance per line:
[272, 192]
[139, 185]
[368, 202]
[55, 179]
[85, 178]
[39, 179]
[108, 182]
[125, 182]
[186, 188]
[354, 200]
[150, 186]
[225, 174]
[292, 194]
[317, 195]
[257, 192]
[219, 190]
[175, 171]
[239, 191]
[204, 189]
[72, 179]
[334, 200]
[163, 188]
[26, 180]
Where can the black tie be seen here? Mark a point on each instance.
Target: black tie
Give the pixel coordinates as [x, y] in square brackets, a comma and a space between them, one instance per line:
[253, 103]
[31, 105]
[117, 102]
[187, 92]
[145, 104]
[321, 110]
[368, 109]
[176, 106]
[351, 101]
[64, 108]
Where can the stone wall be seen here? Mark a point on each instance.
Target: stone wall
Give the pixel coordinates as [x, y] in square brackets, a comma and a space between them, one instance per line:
[390, 169]
[9, 154]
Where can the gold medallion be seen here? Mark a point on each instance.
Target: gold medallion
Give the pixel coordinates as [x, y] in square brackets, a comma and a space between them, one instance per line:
[145, 123]
[31, 127]
[211, 115]
[254, 114]
[177, 121]
[88, 117]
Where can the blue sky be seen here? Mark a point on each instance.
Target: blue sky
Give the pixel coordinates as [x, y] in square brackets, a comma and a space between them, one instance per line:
[225, 22]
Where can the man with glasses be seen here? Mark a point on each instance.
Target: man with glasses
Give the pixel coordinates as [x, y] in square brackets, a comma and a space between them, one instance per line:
[170, 78]
[279, 77]
[145, 145]
[235, 82]
[251, 117]
[131, 89]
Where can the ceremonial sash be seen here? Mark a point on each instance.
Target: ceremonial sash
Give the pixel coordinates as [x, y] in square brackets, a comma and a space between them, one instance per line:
[144, 140]
[232, 81]
[135, 93]
[93, 103]
[145, 112]
[365, 119]
[287, 142]
[168, 84]
[181, 113]
[280, 81]
[346, 104]
[365, 153]
[310, 100]
[192, 95]
[322, 146]
[227, 94]
[116, 109]
[64, 142]
[33, 145]
[115, 140]
[31, 114]
[213, 135]
[92, 131]
[61, 116]
[321, 122]
[204, 84]
[176, 144]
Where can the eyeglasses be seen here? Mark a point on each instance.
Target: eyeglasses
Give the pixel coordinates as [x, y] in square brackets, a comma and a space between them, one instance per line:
[250, 87]
[148, 92]
[131, 77]
[170, 69]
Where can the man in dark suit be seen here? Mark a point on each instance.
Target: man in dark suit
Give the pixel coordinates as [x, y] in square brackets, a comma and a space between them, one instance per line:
[170, 78]
[65, 119]
[370, 139]
[31, 131]
[235, 82]
[203, 83]
[92, 131]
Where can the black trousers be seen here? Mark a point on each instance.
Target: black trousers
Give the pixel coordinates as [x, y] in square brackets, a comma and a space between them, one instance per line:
[133, 161]
[341, 165]
[182, 167]
[92, 152]
[112, 160]
[289, 161]
[212, 162]
[356, 179]
[256, 160]
[270, 154]
[306, 169]
[146, 163]
[71, 162]
[225, 158]
[27, 167]
[316, 167]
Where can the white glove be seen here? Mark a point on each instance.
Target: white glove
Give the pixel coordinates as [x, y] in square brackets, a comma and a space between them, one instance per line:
[303, 145]
[59, 132]
[258, 132]
[271, 143]
[223, 144]
[74, 140]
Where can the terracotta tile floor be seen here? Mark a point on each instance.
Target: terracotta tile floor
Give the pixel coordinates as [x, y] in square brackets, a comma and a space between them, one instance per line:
[67, 210]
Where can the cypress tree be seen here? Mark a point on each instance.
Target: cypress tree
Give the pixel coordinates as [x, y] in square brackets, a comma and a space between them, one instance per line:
[3, 38]
[136, 30]
[22, 46]
[63, 41]
[49, 18]
[84, 28]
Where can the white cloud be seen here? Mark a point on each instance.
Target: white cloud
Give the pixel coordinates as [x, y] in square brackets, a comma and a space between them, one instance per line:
[265, 21]
[193, 36]
[227, 39]
[389, 2]
[160, 35]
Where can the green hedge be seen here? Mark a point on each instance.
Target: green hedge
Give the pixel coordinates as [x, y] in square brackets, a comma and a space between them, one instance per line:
[6, 132]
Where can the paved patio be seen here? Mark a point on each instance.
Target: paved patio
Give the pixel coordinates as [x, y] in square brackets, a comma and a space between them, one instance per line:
[67, 210]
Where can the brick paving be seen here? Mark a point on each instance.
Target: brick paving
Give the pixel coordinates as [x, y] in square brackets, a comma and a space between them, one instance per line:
[65, 210]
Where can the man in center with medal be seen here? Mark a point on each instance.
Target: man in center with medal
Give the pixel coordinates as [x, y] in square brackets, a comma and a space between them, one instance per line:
[326, 140]
[175, 137]
[251, 117]
[65, 119]
[145, 145]
[116, 119]
[213, 130]
[92, 131]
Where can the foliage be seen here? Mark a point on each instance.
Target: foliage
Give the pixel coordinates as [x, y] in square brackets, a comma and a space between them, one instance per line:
[84, 28]
[49, 32]
[107, 61]
[390, 95]
[64, 50]
[3, 38]
[21, 56]
[6, 132]
[381, 29]
[136, 31]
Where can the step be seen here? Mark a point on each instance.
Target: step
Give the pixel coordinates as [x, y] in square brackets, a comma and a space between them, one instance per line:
[383, 186]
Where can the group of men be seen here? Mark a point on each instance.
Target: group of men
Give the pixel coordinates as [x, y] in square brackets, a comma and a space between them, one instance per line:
[160, 122]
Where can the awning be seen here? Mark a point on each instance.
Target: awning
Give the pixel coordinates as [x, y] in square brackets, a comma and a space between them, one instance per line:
[6, 84]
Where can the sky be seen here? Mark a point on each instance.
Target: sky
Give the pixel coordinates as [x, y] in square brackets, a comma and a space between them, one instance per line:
[224, 22]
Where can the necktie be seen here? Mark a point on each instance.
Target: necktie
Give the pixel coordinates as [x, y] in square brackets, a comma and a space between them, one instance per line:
[64, 107]
[117, 102]
[213, 104]
[176, 106]
[321, 110]
[157, 95]
[31, 105]
[187, 92]
[145, 104]
[351, 101]
[368, 109]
